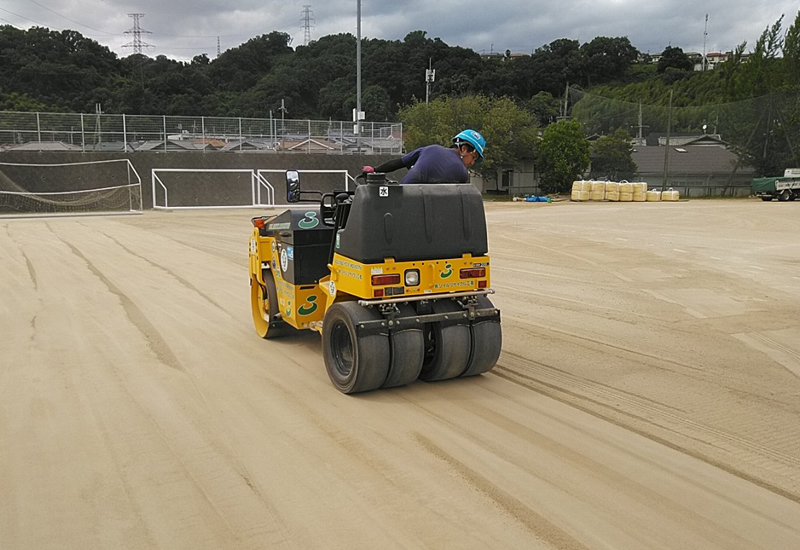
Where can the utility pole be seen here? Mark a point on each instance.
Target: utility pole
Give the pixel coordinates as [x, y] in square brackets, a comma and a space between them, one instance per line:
[307, 19]
[137, 32]
[357, 114]
[640, 127]
[666, 151]
[430, 76]
[705, 37]
[283, 111]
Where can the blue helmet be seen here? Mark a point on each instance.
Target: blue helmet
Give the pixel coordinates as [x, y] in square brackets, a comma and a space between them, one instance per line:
[473, 138]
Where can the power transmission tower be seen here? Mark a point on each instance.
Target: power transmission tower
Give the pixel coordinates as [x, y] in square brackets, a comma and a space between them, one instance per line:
[307, 19]
[137, 32]
[218, 49]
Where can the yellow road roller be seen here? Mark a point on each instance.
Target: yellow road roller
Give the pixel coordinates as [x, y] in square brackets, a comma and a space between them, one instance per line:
[394, 277]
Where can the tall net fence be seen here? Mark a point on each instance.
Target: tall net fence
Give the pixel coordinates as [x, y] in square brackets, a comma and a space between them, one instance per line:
[760, 135]
[84, 187]
[107, 132]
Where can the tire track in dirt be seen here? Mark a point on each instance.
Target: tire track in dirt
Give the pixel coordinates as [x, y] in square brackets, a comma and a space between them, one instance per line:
[582, 338]
[535, 523]
[136, 316]
[780, 353]
[171, 273]
[603, 402]
[620, 276]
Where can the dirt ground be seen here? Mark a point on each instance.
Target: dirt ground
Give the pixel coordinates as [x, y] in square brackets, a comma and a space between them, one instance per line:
[647, 396]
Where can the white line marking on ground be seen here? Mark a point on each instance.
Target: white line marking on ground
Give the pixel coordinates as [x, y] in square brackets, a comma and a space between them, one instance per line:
[679, 250]
[715, 258]
[756, 267]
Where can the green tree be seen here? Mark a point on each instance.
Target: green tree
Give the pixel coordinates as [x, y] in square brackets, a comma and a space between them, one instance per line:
[612, 157]
[674, 58]
[510, 131]
[563, 156]
[608, 59]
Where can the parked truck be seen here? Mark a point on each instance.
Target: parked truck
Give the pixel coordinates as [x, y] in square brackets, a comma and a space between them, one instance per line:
[786, 188]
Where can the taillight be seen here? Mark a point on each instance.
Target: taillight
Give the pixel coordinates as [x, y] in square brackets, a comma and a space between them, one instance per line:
[259, 222]
[386, 279]
[472, 272]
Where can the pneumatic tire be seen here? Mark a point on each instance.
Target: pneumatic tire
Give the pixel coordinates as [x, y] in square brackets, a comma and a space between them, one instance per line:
[447, 344]
[487, 341]
[407, 351]
[355, 362]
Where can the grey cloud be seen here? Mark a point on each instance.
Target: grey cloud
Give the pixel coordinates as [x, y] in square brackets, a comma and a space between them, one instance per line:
[182, 29]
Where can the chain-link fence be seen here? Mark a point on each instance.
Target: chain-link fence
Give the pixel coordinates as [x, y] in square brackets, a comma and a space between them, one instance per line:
[104, 132]
[705, 150]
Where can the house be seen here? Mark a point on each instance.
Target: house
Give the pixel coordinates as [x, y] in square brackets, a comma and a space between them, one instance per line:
[695, 170]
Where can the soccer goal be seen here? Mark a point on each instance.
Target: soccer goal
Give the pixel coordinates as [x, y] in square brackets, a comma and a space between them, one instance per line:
[324, 181]
[176, 188]
[92, 187]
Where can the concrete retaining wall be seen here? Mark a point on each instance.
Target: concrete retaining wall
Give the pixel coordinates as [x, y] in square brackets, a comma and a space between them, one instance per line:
[184, 189]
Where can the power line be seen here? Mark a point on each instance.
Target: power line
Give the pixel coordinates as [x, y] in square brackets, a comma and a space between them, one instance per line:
[72, 20]
[23, 17]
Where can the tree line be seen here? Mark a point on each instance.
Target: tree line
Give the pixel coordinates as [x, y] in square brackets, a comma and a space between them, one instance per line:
[65, 71]
[515, 101]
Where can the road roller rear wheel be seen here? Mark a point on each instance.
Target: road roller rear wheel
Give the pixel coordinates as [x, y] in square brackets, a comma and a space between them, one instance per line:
[487, 341]
[355, 362]
[407, 351]
[447, 344]
[264, 304]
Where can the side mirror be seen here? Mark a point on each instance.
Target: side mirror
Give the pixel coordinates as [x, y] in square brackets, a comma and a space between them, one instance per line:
[292, 186]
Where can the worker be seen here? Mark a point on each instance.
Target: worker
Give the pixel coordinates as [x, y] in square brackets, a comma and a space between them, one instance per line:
[437, 164]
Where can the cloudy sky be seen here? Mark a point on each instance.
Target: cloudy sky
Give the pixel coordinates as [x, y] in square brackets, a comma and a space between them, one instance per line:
[181, 29]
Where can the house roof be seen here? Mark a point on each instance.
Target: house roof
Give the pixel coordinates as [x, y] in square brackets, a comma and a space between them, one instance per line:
[688, 159]
[248, 145]
[677, 140]
[46, 146]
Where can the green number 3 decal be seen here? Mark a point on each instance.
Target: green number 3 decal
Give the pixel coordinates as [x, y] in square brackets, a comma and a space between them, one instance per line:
[310, 221]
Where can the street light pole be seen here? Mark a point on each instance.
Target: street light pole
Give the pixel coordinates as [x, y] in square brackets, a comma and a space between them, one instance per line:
[358, 77]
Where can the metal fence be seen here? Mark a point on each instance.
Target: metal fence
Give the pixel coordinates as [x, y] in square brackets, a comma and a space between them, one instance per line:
[104, 132]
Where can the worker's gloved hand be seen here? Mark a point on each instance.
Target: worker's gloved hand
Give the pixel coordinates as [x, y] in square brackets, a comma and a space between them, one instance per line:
[367, 170]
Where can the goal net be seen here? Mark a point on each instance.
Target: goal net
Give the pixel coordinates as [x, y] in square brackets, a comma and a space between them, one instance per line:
[109, 186]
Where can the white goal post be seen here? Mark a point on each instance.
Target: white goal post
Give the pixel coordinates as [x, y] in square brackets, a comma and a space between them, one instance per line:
[70, 188]
[206, 188]
[261, 192]
[346, 178]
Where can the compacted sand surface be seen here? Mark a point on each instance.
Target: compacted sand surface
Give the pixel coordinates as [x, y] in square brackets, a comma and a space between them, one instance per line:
[647, 396]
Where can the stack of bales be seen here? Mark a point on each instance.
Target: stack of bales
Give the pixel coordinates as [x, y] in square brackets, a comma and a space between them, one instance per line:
[622, 191]
[598, 191]
[639, 191]
[612, 191]
[625, 191]
[581, 190]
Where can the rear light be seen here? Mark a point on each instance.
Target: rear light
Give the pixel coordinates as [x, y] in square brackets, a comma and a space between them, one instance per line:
[259, 222]
[472, 272]
[386, 279]
[482, 284]
[378, 293]
[412, 277]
